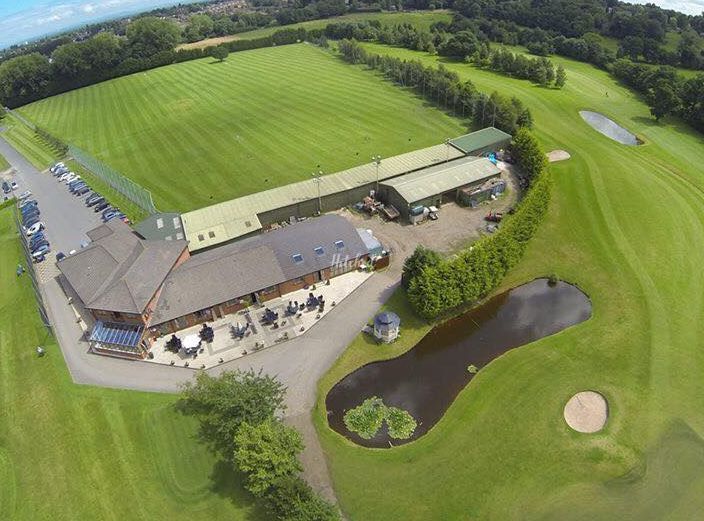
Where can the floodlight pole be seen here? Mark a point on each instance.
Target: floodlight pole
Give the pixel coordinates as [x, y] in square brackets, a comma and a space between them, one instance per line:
[316, 179]
[377, 162]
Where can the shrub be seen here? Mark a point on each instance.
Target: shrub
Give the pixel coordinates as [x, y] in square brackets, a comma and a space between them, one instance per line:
[401, 424]
[366, 419]
[291, 499]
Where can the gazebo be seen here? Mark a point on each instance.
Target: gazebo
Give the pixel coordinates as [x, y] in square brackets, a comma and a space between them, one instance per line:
[386, 326]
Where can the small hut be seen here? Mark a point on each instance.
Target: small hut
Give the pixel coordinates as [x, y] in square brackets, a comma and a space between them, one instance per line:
[386, 326]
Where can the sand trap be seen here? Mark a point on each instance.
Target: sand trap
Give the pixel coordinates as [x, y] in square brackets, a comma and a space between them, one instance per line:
[558, 155]
[586, 412]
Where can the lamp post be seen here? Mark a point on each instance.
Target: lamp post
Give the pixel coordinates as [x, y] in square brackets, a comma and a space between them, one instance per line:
[317, 179]
[377, 162]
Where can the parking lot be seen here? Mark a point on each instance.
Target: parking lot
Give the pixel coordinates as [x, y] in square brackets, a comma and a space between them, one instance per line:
[66, 217]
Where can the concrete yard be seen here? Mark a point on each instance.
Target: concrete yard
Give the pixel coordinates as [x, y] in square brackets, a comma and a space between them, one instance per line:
[455, 226]
[227, 347]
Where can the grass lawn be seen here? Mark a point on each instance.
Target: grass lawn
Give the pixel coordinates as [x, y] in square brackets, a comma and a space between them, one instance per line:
[202, 132]
[26, 141]
[420, 19]
[70, 452]
[622, 224]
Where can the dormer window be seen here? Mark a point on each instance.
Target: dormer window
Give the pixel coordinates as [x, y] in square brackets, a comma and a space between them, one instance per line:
[319, 250]
[339, 245]
[297, 258]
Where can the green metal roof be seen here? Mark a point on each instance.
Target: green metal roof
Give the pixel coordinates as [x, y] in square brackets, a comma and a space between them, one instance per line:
[487, 137]
[231, 219]
[439, 179]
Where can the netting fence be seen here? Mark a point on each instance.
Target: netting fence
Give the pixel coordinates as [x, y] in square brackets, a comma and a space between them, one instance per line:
[131, 190]
[128, 188]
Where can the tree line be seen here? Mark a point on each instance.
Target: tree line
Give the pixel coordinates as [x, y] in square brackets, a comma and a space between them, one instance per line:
[436, 286]
[239, 420]
[444, 88]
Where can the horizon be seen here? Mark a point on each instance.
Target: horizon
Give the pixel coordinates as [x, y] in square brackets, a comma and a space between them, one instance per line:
[30, 20]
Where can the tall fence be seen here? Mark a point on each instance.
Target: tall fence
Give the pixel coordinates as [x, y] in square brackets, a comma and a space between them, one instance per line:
[41, 308]
[131, 190]
[128, 188]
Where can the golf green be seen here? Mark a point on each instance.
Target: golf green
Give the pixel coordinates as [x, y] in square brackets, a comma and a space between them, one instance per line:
[623, 225]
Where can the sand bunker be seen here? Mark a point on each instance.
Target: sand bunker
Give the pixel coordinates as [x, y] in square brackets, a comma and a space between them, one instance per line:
[558, 155]
[586, 412]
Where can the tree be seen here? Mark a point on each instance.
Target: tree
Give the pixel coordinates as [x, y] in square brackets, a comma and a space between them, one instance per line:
[223, 403]
[69, 60]
[199, 26]
[560, 77]
[150, 35]
[421, 258]
[219, 52]
[528, 154]
[266, 452]
[24, 77]
[104, 51]
[663, 99]
[292, 499]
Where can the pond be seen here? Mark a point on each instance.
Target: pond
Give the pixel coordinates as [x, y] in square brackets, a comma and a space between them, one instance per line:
[425, 380]
[609, 128]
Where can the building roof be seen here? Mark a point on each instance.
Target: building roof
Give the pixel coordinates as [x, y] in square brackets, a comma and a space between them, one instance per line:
[161, 226]
[439, 179]
[481, 139]
[249, 265]
[228, 220]
[119, 271]
[387, 319]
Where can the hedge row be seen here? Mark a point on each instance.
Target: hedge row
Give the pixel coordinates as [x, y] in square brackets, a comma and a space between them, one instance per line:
[475, 272]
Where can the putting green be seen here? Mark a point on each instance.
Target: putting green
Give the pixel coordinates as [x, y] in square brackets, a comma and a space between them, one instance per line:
[623, 225]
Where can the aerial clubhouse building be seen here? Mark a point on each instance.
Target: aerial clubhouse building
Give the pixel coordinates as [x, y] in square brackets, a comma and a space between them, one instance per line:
[134, 290]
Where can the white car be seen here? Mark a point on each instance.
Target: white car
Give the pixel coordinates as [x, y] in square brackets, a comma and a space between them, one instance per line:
[63, 177]
[35, 228]
[24, 195]
[13, 185]
[56, 167]
[70, 177]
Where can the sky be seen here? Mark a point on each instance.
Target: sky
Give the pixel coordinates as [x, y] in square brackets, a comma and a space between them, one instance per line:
[22, 20]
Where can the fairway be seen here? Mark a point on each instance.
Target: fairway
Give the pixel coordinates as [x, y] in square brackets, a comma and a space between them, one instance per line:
[202, 132]
[623, 225]
[70, 452]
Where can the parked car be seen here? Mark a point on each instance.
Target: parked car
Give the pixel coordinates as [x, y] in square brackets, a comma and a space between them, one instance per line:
[6, 187]
[116, 215]
[60, 171]
[76, 186]
[37, 237]
[30, 222]
[40, 258]
[101, 206]
[39, 245]
[60, 256]
[82, 191]
[24, 195]
[56, 167]
[93, 200]
[28, 202]
[65, 176]
[70, 177]
[74, 181]
[26, 218]
[35, 228]
[41, 251]
[13, 185]
[31, 205]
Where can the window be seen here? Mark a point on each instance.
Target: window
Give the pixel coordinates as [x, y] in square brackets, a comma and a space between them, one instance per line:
[297, 258]
[211, 235]
[177, 223]
[319, 250]
[248, 224]
[339, 245]
[200, 237]
[159, 223]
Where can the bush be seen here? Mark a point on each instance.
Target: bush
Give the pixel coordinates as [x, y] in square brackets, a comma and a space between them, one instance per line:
[291, 499]
[366, 419]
